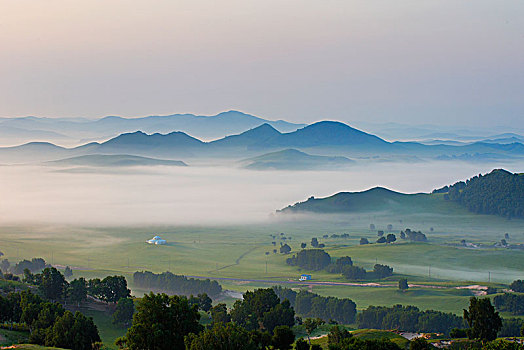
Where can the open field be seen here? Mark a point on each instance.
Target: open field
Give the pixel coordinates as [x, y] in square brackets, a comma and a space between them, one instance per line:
[239, 252]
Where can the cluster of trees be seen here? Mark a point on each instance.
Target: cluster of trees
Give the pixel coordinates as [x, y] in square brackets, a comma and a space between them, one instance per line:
[310, 259]
[176, 284]
[499, 192]
[316, 244]
[408, 318]
[415, 236]
[259, 321]
[509, 302]
[307, 304]
[318, 259]
[52, 285]
[262, 309]
[517, 286]
[33, 265]
[49, 323]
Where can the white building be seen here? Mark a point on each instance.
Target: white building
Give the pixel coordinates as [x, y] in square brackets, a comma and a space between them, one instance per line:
[157, 240]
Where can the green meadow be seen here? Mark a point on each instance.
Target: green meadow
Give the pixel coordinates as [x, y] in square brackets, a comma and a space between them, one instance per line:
[435, 268]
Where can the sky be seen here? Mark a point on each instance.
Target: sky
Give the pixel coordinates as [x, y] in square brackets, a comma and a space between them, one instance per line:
[443, 62]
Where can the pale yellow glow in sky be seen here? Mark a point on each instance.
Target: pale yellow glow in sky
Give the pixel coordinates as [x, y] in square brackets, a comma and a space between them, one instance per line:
[301, 60]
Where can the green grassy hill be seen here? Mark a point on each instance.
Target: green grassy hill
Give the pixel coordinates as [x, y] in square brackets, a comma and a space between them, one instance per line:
[376, 199]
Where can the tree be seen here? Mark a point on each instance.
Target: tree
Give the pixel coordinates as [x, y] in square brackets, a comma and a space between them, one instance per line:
[221, 337]
[337, 335]
[380, 233]
[390, 238]
[283, 338]
[113, 288]
[364, 241]
[280, 315]
[262, 307]
[344, 261]
[73, 332]
[4, 265]
[403, 284]
[77, 291]
[484, 322]
[53, 284]
[419, 344]
[219, 314]
[204, 302]
[382, 271]
[301, 344]
[311, 324]
[161, 322]
[68, 272]
[285, 249]
[123, 314]
[402, 235]
[314, 242]
[303, 245]
[517, 286]
[354, 273]
[381, 240]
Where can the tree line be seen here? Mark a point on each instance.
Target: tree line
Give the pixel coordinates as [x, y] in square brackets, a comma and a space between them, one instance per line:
[318, 259]
[52, 285]
[176, 284]
[499, 192]
[408, 318]
[307, 304]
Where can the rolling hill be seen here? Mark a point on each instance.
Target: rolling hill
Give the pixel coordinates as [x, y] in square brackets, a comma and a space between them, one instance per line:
[116, 160]
[291, 159]
[498, 193]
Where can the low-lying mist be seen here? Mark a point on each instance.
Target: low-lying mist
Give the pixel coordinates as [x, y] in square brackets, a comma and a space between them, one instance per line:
[197, 195]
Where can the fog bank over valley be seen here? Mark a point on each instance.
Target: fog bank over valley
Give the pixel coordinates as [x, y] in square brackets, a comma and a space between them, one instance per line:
[199, 195]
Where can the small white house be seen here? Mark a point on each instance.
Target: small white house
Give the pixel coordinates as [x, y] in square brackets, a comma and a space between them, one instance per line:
[156, 240]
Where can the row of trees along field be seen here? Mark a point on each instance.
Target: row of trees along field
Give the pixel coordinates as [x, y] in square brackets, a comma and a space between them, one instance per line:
[262, 321]
[499, 192]
[176, 284]
[53, 286]
[318, 259]
[308, 304]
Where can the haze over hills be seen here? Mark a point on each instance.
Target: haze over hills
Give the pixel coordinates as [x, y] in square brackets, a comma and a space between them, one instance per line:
[71, 130]
[116, 160]
[325, 138]
[291, 159]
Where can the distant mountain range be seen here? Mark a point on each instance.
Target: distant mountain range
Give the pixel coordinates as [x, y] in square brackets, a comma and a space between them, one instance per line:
[325, 138]
[75, 129]
[499, 193]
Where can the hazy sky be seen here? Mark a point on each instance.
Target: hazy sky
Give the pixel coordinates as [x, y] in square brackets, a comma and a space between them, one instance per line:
[443, 62]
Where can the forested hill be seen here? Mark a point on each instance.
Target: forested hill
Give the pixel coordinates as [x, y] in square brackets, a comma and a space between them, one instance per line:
[499, 192]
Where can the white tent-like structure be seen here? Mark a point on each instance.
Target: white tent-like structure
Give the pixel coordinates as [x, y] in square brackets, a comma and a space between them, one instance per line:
[156, 240]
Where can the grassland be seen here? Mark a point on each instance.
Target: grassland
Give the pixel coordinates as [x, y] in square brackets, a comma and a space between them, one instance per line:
[240, 252]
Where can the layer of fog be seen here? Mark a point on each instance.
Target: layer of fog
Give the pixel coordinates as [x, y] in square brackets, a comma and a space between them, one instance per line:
[198, 195]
